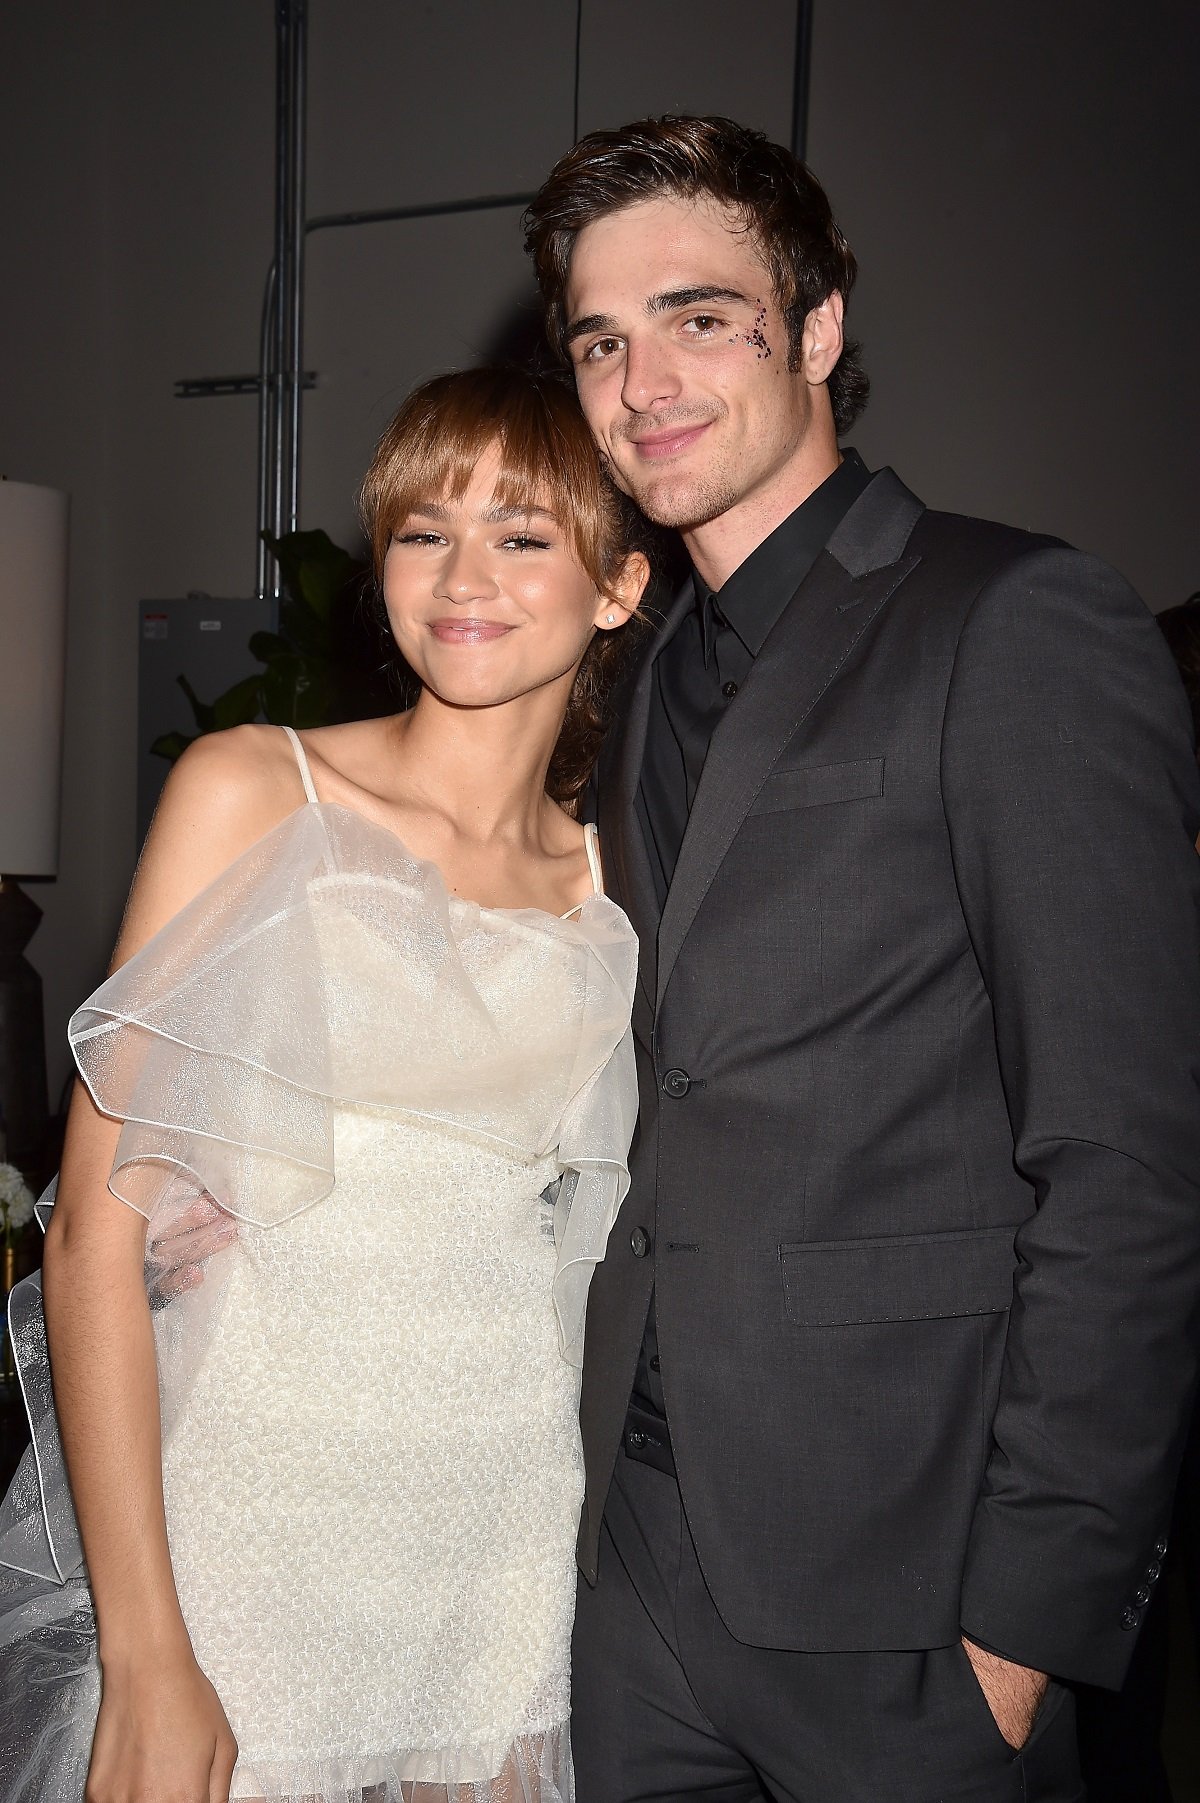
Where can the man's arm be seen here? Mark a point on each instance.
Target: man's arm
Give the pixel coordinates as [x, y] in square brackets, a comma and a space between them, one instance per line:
[1072, 800]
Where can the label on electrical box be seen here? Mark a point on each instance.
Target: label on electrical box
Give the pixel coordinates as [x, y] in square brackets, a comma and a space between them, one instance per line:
[154, 626]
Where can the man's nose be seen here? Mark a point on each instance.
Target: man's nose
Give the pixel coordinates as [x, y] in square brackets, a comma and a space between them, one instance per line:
[651, 379]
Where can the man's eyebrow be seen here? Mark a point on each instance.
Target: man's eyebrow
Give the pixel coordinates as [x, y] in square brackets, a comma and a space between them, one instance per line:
[669, 301]
[591, 322]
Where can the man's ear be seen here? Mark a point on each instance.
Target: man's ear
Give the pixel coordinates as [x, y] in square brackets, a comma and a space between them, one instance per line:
[821, 344]
[624, 593]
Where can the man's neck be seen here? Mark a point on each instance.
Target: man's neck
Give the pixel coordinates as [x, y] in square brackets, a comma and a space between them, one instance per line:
[719, 546]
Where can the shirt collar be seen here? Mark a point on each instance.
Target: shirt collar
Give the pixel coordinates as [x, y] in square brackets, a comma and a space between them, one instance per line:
[752, 599]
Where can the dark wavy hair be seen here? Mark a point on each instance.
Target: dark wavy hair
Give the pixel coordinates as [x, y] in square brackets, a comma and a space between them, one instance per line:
[775, 198]
[548, 458]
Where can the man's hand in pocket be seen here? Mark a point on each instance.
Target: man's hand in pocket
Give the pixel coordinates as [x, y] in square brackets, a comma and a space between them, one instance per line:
[1013, 1692]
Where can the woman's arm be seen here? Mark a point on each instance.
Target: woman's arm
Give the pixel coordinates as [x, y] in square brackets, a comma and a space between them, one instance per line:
[161, 1729]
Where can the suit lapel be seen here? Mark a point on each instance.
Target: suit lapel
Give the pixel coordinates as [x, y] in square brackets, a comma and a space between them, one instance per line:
[621, 838]
[864, 563]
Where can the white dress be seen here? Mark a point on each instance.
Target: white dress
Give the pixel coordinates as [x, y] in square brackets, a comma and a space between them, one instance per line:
[420, 1110]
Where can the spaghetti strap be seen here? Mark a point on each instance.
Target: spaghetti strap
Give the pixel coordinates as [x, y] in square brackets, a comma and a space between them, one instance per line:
[591, 844]
[306, 773]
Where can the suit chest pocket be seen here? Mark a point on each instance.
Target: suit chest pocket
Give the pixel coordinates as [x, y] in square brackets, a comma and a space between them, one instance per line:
[817, 785]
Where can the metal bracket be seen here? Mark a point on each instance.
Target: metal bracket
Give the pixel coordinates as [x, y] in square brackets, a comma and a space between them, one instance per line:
[194, 388]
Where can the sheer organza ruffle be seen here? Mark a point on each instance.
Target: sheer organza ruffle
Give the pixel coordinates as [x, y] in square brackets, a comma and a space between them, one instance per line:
[227, 1051]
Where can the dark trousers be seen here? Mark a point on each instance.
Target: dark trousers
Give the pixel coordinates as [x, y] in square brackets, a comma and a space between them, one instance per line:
[667, 1705]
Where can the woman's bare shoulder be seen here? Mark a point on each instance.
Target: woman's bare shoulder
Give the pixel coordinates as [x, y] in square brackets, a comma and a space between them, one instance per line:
[227, 791]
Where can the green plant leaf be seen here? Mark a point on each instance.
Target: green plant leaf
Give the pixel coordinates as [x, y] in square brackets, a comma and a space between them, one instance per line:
[239, 704]
[201, 711]
[296, 692]
[266, 645]
[172, 745]
[304, 630]
[314, 570]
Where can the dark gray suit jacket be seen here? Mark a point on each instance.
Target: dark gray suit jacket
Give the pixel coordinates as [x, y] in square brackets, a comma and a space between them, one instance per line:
[919, 1148]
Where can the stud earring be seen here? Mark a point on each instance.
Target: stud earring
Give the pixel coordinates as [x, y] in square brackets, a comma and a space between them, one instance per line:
[611, 618]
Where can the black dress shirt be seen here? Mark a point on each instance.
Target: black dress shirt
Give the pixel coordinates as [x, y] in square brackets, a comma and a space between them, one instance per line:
[697, 676]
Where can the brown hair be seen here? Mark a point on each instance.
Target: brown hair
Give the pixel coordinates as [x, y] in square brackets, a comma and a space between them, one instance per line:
[548, 458]
[776, 199]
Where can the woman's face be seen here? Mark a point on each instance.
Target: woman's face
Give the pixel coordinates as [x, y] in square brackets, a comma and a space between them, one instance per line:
[487, 603]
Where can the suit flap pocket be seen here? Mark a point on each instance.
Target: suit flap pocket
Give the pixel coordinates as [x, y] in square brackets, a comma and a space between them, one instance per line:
[914, 1277]
[819, 783]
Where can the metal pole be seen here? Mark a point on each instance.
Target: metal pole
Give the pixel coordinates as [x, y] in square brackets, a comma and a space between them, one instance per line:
[295, 298]
[281, 316]
[267, 426]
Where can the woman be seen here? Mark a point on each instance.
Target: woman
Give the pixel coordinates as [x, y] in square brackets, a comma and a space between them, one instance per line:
[370, 997]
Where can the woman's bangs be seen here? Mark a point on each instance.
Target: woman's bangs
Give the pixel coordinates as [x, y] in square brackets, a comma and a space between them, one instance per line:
[546, 459]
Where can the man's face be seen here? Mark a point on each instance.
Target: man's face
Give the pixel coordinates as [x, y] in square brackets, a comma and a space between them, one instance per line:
[680, 353]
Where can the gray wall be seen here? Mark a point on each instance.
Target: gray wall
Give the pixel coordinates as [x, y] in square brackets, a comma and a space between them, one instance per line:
[1020, 184]
[1015, 181]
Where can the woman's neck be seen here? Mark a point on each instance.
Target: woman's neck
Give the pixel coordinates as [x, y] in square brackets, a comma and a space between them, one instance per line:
[483, 770]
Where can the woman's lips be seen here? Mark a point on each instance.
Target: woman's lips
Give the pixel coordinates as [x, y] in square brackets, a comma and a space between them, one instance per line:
[468, 632]
[669, 443]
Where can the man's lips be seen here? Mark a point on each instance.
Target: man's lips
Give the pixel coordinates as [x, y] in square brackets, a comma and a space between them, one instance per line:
[668, 442]
[467, 632]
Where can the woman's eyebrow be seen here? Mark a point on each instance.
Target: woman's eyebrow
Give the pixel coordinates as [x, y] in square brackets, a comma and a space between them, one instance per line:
[500, 516]
[495, 515]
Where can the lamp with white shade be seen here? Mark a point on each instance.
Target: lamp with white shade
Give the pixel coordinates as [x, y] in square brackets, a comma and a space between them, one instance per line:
[33, 598]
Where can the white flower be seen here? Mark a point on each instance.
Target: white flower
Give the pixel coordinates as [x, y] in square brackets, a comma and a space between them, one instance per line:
[16, 1199]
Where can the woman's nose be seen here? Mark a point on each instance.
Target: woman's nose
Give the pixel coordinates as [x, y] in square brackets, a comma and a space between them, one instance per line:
[466, 576]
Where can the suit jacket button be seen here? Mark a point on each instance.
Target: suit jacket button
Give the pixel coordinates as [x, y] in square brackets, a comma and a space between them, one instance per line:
[1154, 1571]
[1129, 1617]
[635, 1441]
[1141, 1596]
[639, 1242]
[1160, 1549]
[676, 1083]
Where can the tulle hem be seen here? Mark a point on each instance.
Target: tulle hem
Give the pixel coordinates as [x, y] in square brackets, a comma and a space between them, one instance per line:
[531, 1769]
[50, 1692]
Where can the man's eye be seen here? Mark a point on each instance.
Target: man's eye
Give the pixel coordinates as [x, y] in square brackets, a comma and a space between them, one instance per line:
[603, 347]
[704, 323]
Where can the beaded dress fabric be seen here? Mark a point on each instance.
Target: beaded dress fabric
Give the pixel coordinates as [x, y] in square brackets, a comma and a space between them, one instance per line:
[419, 1111]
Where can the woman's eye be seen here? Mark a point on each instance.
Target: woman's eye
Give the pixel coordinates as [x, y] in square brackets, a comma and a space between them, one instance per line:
[603, 347]
[522, 541]
[418, 538]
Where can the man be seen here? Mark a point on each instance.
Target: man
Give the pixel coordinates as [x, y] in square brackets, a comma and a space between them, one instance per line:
[887, 1362]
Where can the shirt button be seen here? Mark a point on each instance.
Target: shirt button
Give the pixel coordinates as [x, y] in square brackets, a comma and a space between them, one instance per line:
[639, 1242]
[1129, 1617]
[676, 1083]
[635, 1441]
[729, 690]
[656, 1363]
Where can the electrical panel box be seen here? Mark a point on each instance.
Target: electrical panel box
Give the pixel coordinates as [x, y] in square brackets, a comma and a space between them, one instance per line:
[208, 641]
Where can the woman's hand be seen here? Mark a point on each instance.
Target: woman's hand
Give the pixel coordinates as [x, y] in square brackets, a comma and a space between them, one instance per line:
[161, 1735]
